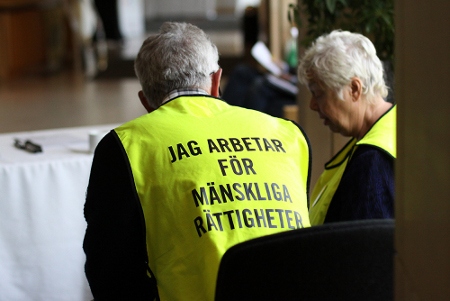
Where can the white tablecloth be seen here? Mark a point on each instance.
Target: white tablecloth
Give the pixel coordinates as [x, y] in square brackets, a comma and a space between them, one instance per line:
[41, 216]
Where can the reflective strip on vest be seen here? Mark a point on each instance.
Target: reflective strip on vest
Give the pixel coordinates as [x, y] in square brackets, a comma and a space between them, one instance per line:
[208, 176]
[382, 135]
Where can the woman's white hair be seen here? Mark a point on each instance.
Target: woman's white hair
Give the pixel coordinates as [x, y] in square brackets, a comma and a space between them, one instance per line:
[180, 56]
[335, 58]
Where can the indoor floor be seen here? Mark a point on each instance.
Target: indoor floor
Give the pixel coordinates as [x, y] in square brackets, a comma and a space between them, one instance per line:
[67, 98]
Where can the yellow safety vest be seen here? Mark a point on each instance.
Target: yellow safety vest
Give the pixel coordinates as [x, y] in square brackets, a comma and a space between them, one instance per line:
[382, 135]
[209, 176]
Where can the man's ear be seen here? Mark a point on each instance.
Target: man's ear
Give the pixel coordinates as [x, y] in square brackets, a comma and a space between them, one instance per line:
[215, 83]
[356, 88]
[145, 102]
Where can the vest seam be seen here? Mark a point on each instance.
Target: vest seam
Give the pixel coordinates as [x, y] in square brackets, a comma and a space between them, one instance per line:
[347, 155]
[141, 213]
[308, 143]
[193, 95]
[381, 117]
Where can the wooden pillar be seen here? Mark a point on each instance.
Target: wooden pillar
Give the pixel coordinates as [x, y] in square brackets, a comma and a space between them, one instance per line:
[422, 72]
[29, 37]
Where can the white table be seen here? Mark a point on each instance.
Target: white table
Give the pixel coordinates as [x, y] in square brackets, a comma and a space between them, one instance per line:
[41, 215]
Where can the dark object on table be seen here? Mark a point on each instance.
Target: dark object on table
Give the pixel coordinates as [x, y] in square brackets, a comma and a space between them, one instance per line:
[28, 146]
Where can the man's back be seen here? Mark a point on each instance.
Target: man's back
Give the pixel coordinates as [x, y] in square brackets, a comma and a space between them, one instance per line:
[172, 190]
[212, 175]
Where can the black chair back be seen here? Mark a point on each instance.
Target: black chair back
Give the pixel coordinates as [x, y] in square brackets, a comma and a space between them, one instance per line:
[340, 261]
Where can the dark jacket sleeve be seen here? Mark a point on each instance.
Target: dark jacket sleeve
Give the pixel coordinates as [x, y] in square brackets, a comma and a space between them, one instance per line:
[114, 242]
[367, 187]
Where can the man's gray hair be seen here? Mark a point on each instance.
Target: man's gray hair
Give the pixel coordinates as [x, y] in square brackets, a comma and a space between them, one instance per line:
[180, 56]
[337, 57]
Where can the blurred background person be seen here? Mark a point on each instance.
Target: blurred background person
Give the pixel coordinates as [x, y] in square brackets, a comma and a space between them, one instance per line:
[251, 85]
[109, 14]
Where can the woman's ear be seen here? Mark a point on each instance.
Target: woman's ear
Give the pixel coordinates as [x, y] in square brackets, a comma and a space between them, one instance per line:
[145, 102]
[356, 88]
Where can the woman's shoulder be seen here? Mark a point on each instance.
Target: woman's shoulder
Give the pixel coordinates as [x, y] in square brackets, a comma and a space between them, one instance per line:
[370, 162]
[370, 152]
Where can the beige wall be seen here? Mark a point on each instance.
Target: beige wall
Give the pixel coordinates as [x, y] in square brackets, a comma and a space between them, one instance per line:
[423, 169]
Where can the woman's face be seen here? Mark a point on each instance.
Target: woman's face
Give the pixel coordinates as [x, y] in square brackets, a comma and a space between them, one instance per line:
[336, 113]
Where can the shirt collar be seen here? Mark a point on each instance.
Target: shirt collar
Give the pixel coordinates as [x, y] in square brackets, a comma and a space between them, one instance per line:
[181, 92]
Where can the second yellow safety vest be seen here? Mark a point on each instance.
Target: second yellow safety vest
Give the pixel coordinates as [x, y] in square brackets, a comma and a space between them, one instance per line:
[382, 135]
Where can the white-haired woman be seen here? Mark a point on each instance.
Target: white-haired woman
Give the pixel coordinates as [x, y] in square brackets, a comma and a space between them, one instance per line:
[345, 78]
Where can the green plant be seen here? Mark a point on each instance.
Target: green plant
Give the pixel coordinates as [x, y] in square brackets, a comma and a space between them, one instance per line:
[372, 18]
